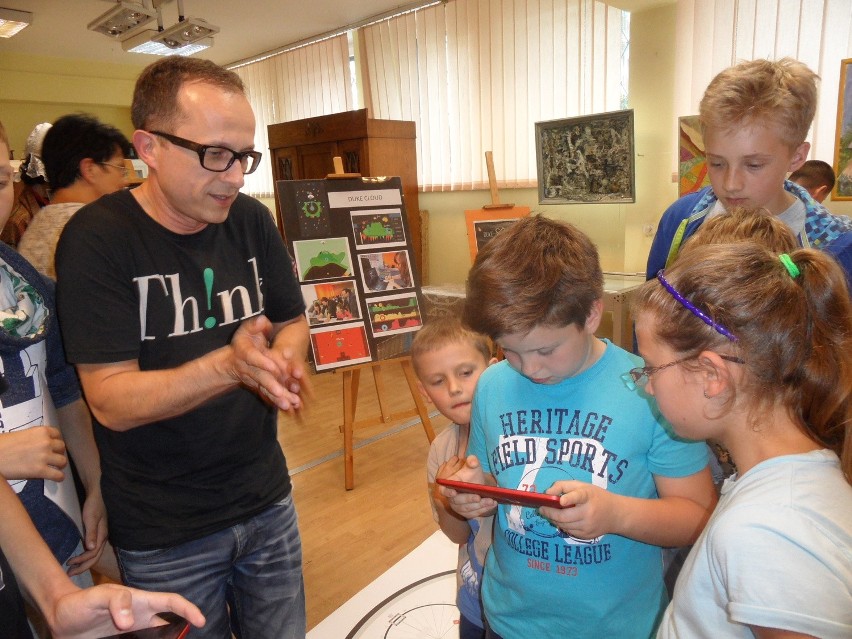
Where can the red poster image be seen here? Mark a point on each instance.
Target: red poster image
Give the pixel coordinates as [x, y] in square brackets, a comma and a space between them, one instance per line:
[340, 346]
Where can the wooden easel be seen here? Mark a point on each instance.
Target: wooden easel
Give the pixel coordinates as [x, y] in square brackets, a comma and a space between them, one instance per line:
[492, 185]
[351, 379]
[494, 211]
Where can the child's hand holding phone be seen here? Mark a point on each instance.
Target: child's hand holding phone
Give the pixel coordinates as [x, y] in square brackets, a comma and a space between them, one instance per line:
[470, 505]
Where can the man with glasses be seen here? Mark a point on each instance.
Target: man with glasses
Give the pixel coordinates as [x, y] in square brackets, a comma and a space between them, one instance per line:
[83, 159]
[183, 316]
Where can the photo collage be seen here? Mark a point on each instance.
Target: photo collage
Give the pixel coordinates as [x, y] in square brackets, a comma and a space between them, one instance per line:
[355, 265]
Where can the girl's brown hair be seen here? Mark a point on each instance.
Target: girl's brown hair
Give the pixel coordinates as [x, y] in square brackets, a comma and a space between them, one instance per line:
[794, 333]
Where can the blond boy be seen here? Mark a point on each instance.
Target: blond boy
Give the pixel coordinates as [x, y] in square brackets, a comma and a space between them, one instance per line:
[448, 360]
[755, 117]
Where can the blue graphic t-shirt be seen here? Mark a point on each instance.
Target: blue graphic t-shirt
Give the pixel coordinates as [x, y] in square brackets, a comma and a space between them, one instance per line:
[36, 374]
[538, 581]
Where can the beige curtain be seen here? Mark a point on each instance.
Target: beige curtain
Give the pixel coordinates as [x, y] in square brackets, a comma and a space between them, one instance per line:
[475, 75]
[715, 34]
[302, 83]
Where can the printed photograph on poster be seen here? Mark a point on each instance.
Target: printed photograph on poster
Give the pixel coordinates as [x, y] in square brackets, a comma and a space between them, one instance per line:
[394, 314]
[343, 345]
[312, 212]
[385, 271]
[378, 229]
[324, 259]
[331, 302]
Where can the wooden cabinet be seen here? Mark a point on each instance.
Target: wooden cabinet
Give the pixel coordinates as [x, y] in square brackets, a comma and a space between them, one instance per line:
[304, 149]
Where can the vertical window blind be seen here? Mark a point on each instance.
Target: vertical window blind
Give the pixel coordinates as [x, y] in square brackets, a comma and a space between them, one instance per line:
[715, 34]
[302, 83]
[475, 76]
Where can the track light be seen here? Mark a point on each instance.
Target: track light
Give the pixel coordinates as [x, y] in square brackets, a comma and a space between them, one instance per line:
[13, 21]
[147, 42]
[123, 20]
[187, 31]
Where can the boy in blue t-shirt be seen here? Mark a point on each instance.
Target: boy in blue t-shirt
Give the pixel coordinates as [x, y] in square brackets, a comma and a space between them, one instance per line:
[558, 417]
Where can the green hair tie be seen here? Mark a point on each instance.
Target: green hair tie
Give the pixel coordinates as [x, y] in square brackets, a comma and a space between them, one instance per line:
[791, 267]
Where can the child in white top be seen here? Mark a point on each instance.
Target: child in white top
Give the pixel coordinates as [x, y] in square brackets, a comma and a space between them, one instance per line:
[754, 350]
[448, 359]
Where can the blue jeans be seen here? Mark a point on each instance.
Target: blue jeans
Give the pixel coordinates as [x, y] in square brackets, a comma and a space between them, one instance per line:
[253, 569]
[469, 630]
[490, 634]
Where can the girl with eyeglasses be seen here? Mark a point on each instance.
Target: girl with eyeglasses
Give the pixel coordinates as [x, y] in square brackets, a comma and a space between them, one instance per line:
[754, 351]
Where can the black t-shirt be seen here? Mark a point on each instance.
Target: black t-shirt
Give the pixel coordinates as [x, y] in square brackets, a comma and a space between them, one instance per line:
[129, 289]
[13, 617]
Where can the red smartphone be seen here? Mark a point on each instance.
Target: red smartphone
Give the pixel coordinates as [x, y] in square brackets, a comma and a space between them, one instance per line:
[503, 495]
[176, 628]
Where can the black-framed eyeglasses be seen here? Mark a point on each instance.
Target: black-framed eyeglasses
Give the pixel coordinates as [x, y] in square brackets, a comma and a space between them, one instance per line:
[120, 167]
[216, 158]
[640, 376]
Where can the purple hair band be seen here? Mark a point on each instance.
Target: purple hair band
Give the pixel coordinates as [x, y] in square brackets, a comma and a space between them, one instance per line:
[694, 309]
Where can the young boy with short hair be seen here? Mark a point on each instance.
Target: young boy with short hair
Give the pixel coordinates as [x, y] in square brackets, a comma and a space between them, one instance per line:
[755, 117]
[448, 360]
[817, 177]
[558, 416]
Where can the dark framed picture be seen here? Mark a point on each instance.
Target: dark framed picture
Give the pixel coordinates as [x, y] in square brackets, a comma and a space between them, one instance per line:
[587, 159]
[843, 143]
[484, 224]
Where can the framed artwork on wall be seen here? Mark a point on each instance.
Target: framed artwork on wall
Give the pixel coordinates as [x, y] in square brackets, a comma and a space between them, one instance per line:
[692, 161]
[843, 143]
[587, 159]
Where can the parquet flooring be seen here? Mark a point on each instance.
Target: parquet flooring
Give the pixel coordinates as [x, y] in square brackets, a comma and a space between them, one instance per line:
[351, 537]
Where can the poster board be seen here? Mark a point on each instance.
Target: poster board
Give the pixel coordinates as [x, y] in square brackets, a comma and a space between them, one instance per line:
[354, 260]
[484, 224]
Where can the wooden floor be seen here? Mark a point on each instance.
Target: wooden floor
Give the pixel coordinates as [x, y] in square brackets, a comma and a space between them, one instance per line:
[351, 537]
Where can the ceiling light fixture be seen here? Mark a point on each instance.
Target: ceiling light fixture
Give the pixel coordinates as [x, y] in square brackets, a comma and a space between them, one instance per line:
[186, 37]
[145, 42]
[13, 21]
[186, 31]
[124, 19]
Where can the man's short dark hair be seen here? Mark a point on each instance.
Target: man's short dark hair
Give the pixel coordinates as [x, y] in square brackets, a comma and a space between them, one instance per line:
[813, 174]
[72, 139]
[155, 98]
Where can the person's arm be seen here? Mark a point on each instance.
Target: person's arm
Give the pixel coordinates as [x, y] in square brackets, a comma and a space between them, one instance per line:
[122, 397]
[469, 505]
[72, 613]
[289, 350]
[453, 525]
[33, 453]
[667, 228]
[676, 518]
[76, 425]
